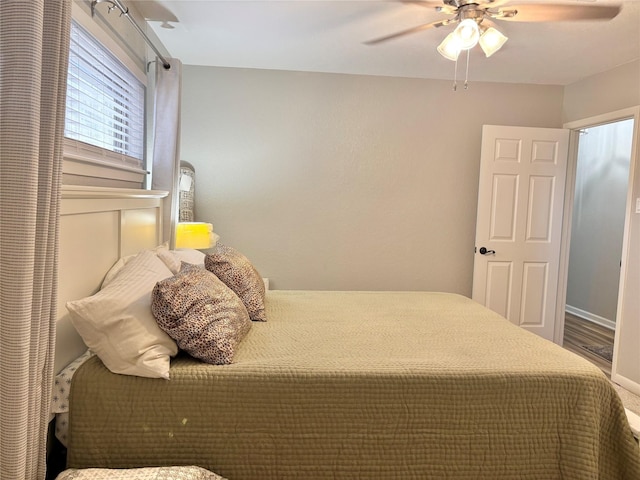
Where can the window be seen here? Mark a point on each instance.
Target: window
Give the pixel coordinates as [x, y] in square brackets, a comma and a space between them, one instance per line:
[105, 106]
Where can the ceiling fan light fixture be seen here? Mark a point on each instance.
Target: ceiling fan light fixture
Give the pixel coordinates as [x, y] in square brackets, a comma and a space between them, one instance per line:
[467, 33]
[450, 47]
[491, 41]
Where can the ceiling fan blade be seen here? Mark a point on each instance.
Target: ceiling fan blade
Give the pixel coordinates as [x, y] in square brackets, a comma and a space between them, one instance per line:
[425, 3]
[488, 23]
[557, 13]
[492, 3]
[436, 5]
[419, 28]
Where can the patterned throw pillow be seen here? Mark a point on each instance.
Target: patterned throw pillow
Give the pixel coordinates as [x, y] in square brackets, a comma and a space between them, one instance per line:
[201, 314]
[237, 272]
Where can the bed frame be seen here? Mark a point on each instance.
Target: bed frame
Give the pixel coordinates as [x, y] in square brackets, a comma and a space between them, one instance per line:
[98, 225]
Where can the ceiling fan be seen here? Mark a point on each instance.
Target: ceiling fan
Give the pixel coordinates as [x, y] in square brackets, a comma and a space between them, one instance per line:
[474, 20]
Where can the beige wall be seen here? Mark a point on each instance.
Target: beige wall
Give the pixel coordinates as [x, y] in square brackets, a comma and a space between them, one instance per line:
[606, 92]
[345, 182]
[598, 95]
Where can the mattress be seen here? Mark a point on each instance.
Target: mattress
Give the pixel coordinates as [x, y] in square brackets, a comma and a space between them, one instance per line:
[393, 385]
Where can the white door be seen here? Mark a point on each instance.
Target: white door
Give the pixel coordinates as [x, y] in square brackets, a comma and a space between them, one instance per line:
[519, 224]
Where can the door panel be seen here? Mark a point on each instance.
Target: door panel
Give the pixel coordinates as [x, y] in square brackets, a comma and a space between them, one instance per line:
[503, 212]
[520, 205]
[534, 288]
[540, 208]
[498, 292]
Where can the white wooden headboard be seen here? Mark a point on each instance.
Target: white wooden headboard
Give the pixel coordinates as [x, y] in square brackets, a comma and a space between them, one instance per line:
[98, 226]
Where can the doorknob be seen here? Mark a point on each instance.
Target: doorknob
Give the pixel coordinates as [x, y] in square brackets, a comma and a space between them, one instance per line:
[484, 251]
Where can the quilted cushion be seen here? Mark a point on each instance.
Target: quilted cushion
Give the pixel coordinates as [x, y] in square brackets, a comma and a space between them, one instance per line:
[201, 314]
[237, 272]
[147, 473]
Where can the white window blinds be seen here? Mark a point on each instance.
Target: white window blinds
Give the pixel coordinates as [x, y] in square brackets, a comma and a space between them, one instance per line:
[105, 101]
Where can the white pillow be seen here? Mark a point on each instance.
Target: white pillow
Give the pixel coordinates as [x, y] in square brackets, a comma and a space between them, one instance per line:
[187, 255]
[117, 324]
[113, 271]
[173, 258]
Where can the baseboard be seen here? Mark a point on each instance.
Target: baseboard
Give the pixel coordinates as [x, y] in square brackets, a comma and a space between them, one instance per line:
[591, 317]
[625, 383]
[634, 422]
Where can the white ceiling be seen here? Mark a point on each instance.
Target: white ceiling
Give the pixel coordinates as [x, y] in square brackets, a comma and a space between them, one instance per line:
[329, 36]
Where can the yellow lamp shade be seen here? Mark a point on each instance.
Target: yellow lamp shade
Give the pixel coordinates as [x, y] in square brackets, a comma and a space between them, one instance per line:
[196, 235]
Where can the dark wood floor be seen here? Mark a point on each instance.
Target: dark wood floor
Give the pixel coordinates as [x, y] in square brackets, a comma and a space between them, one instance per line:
[579, 332]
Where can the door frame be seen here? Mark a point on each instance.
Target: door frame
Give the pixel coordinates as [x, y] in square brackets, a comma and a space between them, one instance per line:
[575, 127]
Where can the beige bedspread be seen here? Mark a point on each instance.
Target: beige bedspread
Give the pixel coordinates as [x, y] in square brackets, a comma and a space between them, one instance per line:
[346, 385]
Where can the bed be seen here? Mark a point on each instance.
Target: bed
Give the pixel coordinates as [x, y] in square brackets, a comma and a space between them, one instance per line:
[363, 385]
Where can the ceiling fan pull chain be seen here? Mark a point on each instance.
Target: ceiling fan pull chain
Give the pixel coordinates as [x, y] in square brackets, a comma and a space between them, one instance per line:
[466, 75]
[455, 76]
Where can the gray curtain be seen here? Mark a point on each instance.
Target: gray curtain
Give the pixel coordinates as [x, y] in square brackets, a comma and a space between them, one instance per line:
[166, 142]
[34, 45]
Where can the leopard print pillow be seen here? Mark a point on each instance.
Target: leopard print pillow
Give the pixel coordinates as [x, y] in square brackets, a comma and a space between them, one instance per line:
[203, 316]
[237, 272]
